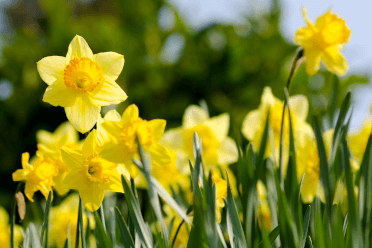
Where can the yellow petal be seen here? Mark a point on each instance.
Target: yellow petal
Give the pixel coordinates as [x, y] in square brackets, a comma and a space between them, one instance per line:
[158, 127]
[219, 126]
[304, 13]
[194, 115]
[227, 152]
[335, 61]
[65, 130]
[92, 197]
[111, 64]
[76, 179]
[114, 153]
[159, 155]
[58, 184]
[71, 158]
[309, 188]
[131, 112]
[267, 98]
[78, 48]
[299, 105]
[19, 175]
[83, 115]
[90, 144]
[114, 184]
[51, 68]
[107, 93]
[25, 159]
[58, 94]
[173, 139]
[113, 130]
[30, 190]
[251, 123]
[304, 37]
[112, 115]
[313, 57]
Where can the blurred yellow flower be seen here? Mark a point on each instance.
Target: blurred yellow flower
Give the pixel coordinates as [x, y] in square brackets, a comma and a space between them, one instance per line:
[63, 216]
[82, 82]
[5, 230]
[324, 41]
[218, 148]
[120, 145]
[221, 186]
[90, 174]
[358, 139]
[38, 176]
[184, 232]
[263, 209]
[49, 145]
[254, 123]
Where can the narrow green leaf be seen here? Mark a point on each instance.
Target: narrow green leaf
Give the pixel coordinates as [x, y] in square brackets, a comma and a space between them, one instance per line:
[46, 219]
[67, 242]
[101, 235]
[136, 215]
[197, 230]
[210, 214]
[81, 224]
[233, 217]
[112, 227]
[272, 236]
[34, 236]
[260, 165]
[305, 225]
[126, 237]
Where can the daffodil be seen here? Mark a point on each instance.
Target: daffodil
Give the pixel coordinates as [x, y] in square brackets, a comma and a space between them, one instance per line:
[49, 145]
[5, 230]
[38, 176]
[82, 82]
[254, 123]
[324, 41]
[63, 217]
[358, 139]
[121, 145]
[221, 186]
[90, 174]
[263, 208]
[218, 148]
[184, 232]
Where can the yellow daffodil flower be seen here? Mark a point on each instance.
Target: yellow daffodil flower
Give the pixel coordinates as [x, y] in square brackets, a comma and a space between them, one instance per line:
[49, 145]
[263, 209]
[324, 41]
[38, 176]
[5, 230]
[221, 186]
[64, 216]
[121, 145]
[217, 147]
[82, 82]
[184, 232]
[90, 174]
[254, 123]
[358, 139]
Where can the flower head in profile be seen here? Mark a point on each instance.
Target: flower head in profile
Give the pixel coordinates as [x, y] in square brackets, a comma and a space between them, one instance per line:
[49, 145]
[38, 176]
[254, 123]
[5, 230]
[119, 139]
[324, 41]
[82, 82]
[218, 149]
[90, 174]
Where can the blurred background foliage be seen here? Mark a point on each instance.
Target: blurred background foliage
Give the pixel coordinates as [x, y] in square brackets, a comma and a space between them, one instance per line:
[168, 66]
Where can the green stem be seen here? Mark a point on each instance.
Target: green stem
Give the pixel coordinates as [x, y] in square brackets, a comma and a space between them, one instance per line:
[102, 217]
[83, 244]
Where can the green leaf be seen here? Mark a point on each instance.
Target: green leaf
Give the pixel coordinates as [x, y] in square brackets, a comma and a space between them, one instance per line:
[260, 165]
[126, 237]
[305, 225]
[101, 235]
[210, 214]
[34, 236]
[272, 236]
[197, 230]
[46, 220]
[112, 227]
[233, 221]
[136, 215]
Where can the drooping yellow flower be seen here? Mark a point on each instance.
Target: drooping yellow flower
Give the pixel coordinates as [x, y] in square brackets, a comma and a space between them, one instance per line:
[263, 208]
[254, 123]
[5, 230]
[324, 41]
[217, 147]
[38, 176]
[82, 82]
[121, 145]
[49, 145]
[358, 139]
[90, 174]
[63, 216]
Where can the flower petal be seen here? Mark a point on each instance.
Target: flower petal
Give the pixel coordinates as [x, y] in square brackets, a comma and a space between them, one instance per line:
[58, 94]
[92, 197]
[78, 48]
[173, 139]
[51, 68]
[90, 144]
[219, 126]
[19, 175]
[158, 127]
[252, 122]
[108, 93]
[71, 158]
[58, 184]
[299, 105]
[313, 57]
[194, 115]
[83, 115]
[114, 153]
[267, 98]
[76, 179]
[111, 64]
[131, 112]
[112, 115]
[227, 152]
[335, 61]
[115, 184]
[113, 129]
